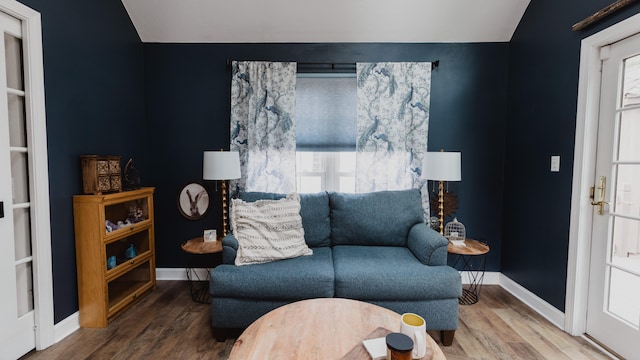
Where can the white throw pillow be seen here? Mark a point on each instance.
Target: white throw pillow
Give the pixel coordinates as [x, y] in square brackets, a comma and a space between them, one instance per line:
[268, 230]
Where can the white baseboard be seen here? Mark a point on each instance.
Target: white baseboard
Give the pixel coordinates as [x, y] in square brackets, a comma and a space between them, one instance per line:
[540, 306]
[66, 327]
[490, 278]
[548, 311]
[180, 273]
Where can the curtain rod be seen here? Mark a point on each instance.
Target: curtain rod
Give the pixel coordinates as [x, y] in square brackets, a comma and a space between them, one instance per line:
[434, 64]
[601, 14]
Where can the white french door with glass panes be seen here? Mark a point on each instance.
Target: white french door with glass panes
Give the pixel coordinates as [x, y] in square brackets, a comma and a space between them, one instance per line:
[613, 309]
[26, 311]
[15, 247]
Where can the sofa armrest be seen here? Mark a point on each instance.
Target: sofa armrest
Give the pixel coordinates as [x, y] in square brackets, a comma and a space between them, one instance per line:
[229, 249]
[427, 245]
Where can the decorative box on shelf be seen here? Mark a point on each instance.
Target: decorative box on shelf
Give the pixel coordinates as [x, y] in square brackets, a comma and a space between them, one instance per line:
[101, 174]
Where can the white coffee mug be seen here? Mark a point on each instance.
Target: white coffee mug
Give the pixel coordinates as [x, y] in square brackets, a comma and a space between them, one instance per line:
[414, 326]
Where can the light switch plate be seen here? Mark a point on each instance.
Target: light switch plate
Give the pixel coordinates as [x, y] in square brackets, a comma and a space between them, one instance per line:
[555, 163]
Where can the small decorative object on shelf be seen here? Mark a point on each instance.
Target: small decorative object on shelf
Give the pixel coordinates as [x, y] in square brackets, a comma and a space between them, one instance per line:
[111, 262]
[434, 223]
[210, 235]
[131, 177]
[455, 232]
[100, 174]
[131, 252]
[135, 215]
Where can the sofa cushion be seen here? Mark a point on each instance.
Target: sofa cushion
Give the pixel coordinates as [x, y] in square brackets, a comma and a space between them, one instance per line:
[314, 209]
[390, 273]
[378, 218]
[268, 230]
[300, 278]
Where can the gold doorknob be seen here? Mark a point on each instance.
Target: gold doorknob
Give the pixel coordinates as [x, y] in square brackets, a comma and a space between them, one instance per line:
[601, 194]
[600, 205]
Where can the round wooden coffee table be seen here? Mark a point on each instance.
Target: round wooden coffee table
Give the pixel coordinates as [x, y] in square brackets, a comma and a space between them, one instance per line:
[327, 328]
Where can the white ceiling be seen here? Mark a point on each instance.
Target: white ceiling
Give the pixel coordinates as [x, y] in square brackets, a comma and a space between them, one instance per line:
[304, 21]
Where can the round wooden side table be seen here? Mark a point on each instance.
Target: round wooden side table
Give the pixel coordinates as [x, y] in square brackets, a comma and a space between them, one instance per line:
[465, 254]
[199, 283]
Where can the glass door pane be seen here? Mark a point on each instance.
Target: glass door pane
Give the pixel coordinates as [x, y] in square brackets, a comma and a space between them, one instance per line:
[19, 154]
[13, 57]
[24, 282]
[623, 293]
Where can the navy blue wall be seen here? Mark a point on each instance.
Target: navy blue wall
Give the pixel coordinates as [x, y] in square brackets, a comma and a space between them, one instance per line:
[101, 84]
[543, 86]
[93, 67]
[188, 95]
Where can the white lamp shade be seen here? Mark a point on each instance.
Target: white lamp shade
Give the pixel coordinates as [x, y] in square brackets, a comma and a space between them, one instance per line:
[442, 166]
[221, 165]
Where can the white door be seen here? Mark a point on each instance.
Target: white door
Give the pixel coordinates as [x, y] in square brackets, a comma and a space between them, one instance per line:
[613, 310]
[25, 299]
[16, 280]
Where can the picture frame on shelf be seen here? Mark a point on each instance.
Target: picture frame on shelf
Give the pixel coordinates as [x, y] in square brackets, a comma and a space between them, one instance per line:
[210, 235]
[193, 201]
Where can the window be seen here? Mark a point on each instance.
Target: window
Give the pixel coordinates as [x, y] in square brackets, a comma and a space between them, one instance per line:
[326, 171]
[326, 132]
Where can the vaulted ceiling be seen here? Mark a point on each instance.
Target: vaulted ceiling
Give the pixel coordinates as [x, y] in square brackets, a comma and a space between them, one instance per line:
[304, 21]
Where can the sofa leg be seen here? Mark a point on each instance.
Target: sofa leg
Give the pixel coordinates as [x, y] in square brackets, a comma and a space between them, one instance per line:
[446, 336]
[222, 334]
[219, 334]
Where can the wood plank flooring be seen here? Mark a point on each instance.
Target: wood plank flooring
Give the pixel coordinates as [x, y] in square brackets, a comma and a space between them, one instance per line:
[166, 324]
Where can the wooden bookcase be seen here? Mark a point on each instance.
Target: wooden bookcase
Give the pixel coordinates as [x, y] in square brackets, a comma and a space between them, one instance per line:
[104, 291]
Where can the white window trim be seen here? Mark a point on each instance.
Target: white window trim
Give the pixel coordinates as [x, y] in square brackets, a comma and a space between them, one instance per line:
[37, 143]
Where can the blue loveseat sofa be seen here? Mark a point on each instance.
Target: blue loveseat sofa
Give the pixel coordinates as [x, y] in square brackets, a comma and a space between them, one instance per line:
[373, 247]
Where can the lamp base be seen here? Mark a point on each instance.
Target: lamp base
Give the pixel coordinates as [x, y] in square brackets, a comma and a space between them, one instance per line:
[225, 207]
[441, 205]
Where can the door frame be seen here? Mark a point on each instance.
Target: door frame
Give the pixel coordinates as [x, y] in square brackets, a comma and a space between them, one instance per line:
[584, 170]
[38, 163]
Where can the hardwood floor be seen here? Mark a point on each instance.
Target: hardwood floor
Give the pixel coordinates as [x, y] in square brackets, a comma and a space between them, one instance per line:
[500, 326]
[166, 324]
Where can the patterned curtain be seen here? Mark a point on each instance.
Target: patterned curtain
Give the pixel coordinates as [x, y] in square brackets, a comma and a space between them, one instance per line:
[392, 126]
[263, 104]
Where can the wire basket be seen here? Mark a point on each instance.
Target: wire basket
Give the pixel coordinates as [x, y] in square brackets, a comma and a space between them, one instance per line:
[455, 232]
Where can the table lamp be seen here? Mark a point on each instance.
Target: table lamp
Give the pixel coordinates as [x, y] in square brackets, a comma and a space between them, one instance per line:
[223, 166]
[442, 166]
